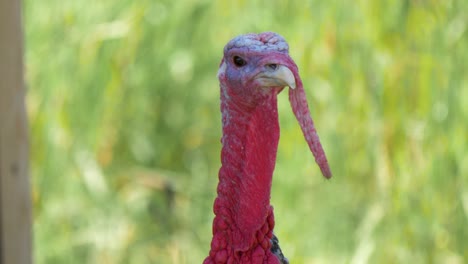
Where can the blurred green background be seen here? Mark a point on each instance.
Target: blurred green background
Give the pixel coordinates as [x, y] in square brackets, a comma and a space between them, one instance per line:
[123, 103]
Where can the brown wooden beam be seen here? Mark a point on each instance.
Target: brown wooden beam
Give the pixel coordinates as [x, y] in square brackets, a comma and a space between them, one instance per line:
[15, 197]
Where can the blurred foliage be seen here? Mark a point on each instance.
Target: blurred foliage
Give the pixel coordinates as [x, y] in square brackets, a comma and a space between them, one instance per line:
[124, 112]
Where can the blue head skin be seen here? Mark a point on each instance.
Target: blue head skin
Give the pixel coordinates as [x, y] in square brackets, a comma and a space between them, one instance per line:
[255, 65]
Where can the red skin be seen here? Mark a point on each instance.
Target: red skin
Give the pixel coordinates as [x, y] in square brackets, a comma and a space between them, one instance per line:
[244, 220]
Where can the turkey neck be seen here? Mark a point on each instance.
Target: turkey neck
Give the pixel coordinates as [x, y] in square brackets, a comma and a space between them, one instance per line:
[250, 142]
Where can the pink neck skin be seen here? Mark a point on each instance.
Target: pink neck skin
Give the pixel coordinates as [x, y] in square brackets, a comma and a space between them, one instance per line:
[243, 225]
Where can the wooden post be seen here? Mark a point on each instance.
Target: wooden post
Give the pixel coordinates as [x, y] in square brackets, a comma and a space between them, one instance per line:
[15, 198]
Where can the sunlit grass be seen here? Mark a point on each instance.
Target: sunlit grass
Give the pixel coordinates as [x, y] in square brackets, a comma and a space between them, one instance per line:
[124, 112]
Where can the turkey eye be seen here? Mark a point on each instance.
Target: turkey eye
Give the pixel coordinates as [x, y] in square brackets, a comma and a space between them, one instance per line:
[272, 66]
[238, 61]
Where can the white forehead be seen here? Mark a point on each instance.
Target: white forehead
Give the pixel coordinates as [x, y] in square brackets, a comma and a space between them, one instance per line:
[266, 41]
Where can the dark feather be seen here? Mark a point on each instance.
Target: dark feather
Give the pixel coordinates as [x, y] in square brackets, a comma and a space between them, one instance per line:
[275, 249]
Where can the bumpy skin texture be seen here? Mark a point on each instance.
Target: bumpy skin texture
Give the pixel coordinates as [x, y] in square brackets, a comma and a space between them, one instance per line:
[244, 221]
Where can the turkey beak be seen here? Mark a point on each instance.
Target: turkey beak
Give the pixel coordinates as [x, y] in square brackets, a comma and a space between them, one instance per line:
[275, 75]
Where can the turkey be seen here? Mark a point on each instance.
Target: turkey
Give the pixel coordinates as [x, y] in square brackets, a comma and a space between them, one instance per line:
[254, 69]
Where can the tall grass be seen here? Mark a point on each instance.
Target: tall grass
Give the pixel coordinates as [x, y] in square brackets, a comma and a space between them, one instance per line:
[124, 110]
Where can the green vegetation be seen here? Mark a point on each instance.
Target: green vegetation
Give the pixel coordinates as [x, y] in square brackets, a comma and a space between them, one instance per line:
[125, 126]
